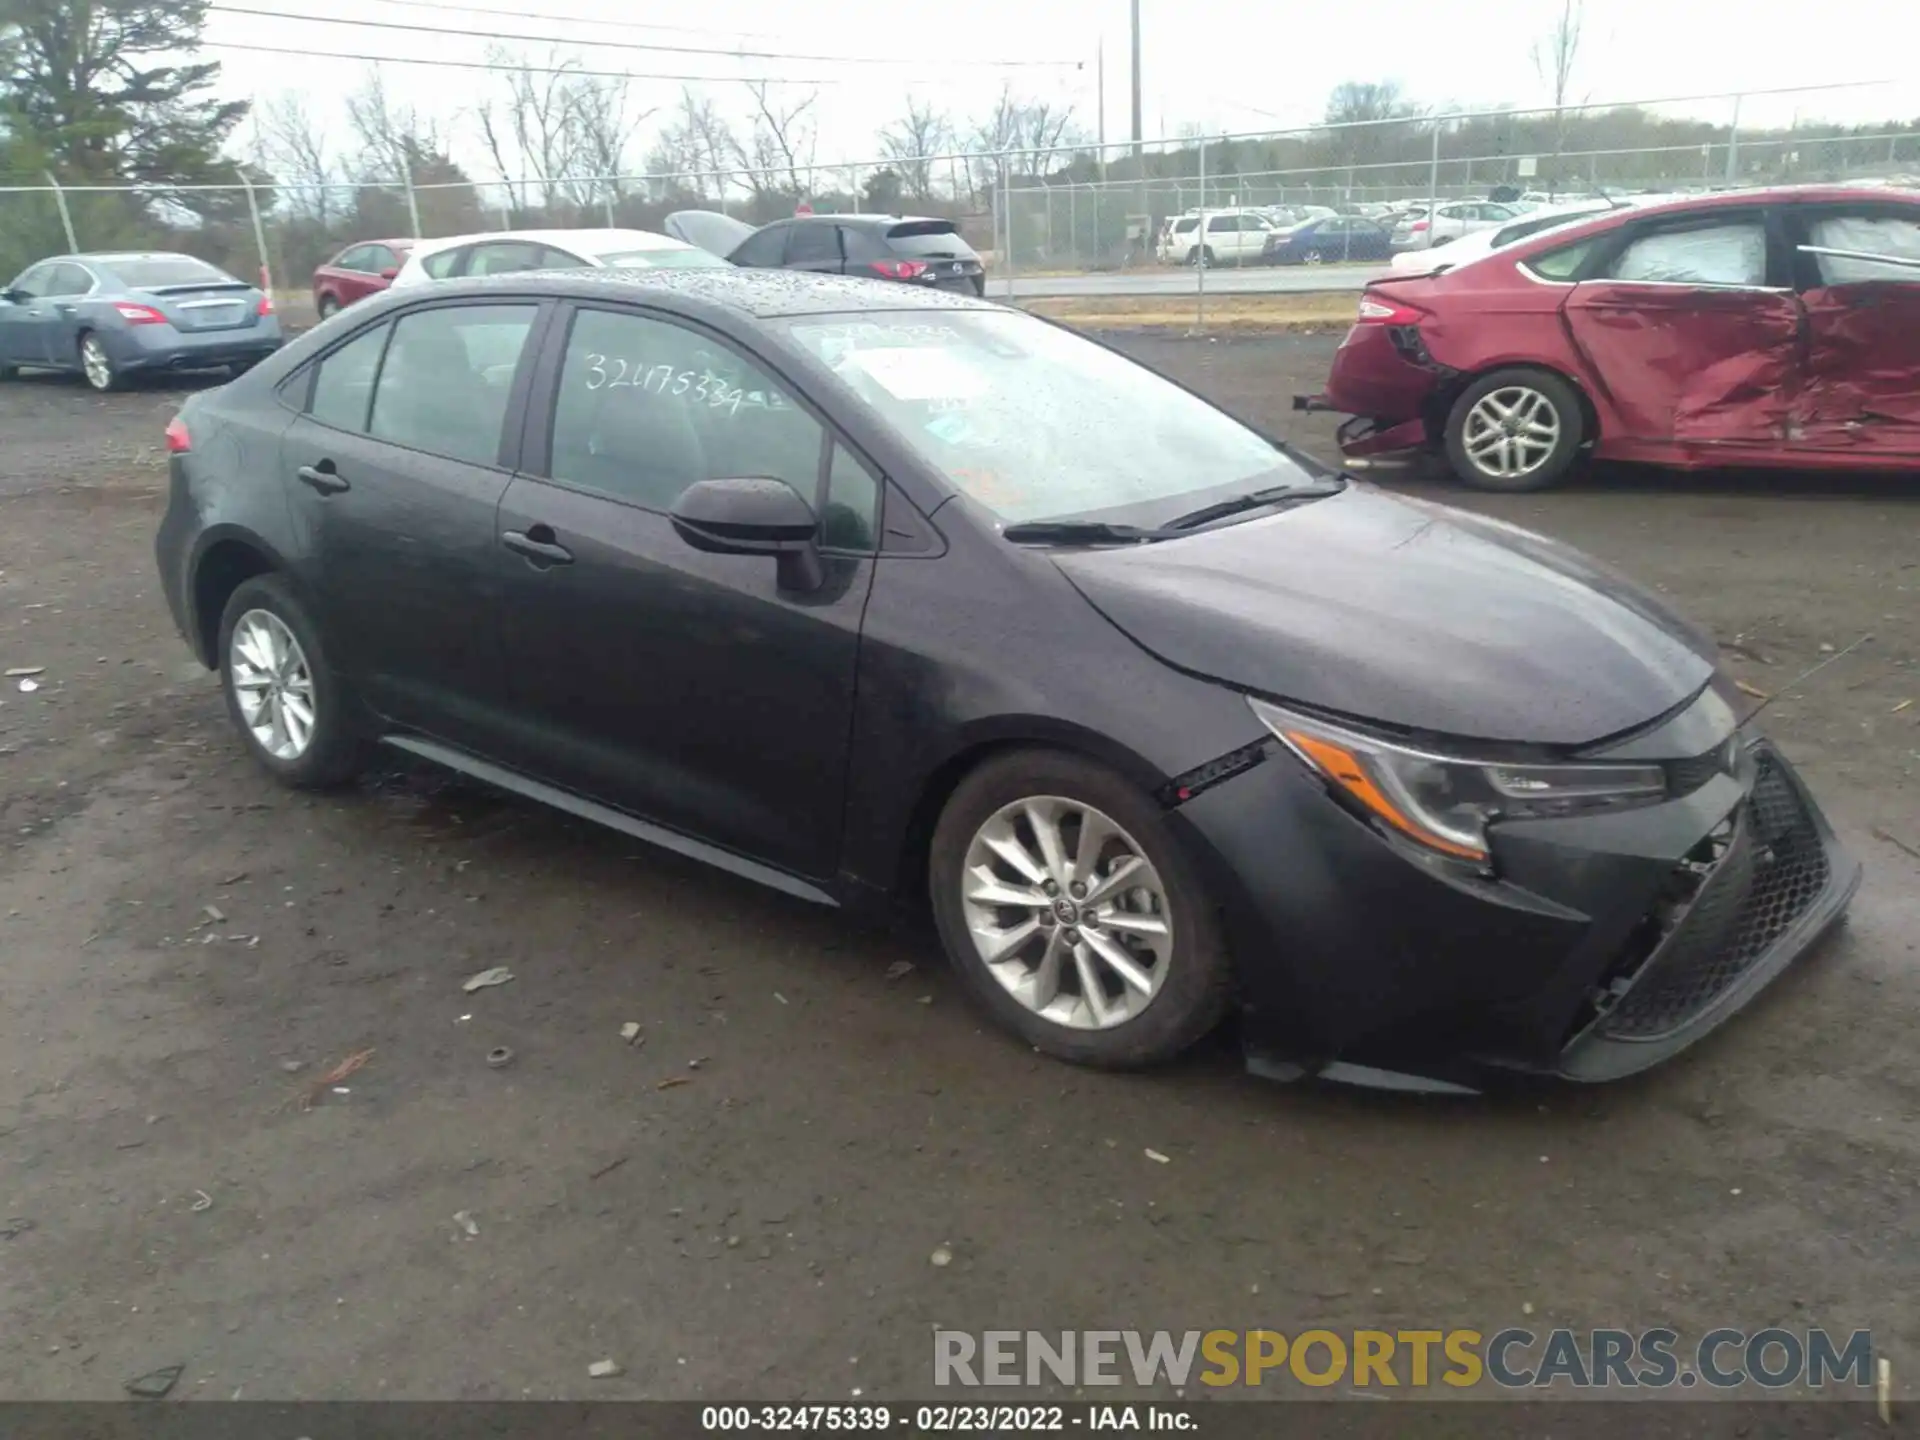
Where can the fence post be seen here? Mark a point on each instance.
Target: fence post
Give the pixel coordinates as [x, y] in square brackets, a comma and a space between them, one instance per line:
[1006, 180]
[66, 216]
[413, 204]
[1433, 182]
[1200, 254]
[1733, 142]
[259, 230]
[606, 200]
[1073, 229]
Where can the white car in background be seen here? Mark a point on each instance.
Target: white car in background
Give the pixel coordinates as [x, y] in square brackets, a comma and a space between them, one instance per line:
[1231, 237]
[1450, 254]
[1426, 226]
[502, 252]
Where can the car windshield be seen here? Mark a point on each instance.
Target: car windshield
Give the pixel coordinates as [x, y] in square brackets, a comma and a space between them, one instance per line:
[664, 259]
[1035, 423]
[154, 271]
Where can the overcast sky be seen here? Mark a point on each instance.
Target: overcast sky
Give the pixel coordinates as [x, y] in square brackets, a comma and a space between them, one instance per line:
[1224, 64]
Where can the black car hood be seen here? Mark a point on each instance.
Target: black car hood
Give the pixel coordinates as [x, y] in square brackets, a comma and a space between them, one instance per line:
[1408, 614]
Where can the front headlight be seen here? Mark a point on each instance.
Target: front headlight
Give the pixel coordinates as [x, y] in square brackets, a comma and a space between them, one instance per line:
[1444, 802]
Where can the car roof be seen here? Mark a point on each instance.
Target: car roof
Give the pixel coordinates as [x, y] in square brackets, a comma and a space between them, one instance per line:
[867, 222]
[109, 257]
[600, 241]
[762, 294]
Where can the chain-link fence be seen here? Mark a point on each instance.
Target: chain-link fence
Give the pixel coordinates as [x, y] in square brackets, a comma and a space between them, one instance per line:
[1075, 207]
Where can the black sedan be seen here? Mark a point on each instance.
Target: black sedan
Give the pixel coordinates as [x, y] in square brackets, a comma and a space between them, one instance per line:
[1328, 241]
[869, 594]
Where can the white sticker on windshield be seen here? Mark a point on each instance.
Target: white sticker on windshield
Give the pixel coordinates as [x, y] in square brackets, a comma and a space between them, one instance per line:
[919, 373]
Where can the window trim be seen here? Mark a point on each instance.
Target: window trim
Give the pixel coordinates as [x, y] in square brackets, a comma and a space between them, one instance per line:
[542, 410]
[513, 428]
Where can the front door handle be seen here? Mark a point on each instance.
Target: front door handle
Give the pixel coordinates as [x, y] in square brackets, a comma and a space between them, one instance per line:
[322, 478]
[536, 542]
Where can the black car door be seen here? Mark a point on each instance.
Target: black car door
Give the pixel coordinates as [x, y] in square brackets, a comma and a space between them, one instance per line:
[683, 687]
[394, 472]
[815, 245]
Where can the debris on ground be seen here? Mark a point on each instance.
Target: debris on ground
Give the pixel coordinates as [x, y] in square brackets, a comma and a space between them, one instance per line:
[1895, 841]
[500, 1057]
[672, 1080]
[486, 979]
[27, 687]
[205, 1202]
[16, 1227]
[899, 968]
[924, 1000]
[293, 1067]
[778, 996]
[608, 1168]
[1883, 1388]
[941, 1257]
[1754, 690]
[234, 879]
[1158, 1158]
[155, 1384]
[214, 913]
[603, 1369]
[310, 1093]
[26, 672]
[630, 1032]
[696, 1063]
[468, 1225]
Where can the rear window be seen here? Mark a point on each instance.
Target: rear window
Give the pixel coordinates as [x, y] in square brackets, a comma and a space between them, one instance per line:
[929, 238]
[687, 259]
[162, 270]
[1182, 227]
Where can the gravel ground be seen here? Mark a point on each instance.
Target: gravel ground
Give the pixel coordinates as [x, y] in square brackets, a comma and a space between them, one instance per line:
[185, 949]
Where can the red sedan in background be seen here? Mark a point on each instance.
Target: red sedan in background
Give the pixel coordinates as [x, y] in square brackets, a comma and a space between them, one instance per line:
[1756, 328]
[357, 272]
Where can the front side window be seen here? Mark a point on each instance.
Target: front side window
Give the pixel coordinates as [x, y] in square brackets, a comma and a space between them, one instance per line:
[380, 258]
[343, 388]
[69, 280]
[1034, 422]
[1730, 252]
[447, 378]
[33, 283]
[1874, 246]
[504, 257]
[355, 257]
[647, 408]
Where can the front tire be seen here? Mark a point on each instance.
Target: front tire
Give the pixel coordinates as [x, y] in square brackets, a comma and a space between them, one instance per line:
[328, 307]
[1515, 430]
[282, 694]
[1073, 915]
[96, 365]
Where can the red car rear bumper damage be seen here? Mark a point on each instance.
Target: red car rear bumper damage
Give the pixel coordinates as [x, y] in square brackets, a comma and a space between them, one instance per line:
[1361, 437]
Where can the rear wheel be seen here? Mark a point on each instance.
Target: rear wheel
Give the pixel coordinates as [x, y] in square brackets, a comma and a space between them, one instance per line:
[282, 695]
[96, 365]
[1313, 257]
[1067, 906]
[1515, 430]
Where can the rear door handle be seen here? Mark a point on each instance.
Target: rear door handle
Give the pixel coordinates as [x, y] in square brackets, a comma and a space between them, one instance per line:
[321, 477]
[537, 544]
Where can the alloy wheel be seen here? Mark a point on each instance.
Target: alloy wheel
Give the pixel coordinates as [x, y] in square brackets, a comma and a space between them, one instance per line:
[1511, 432]
[273, 684]
[1312, 257]
[95, 362]
[1067, 913]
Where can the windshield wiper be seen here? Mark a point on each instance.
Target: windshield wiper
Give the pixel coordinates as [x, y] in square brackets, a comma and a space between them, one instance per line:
[1252, 500]
[1083, 532]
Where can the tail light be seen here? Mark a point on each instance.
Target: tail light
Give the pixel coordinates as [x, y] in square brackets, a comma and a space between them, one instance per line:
[178, 441]
[1417, 226]
[265, 307]
[1378, 310]
[139, 314]
[900, 269]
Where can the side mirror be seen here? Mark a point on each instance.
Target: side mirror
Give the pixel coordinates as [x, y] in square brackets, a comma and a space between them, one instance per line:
[389, 273]
[753, 517]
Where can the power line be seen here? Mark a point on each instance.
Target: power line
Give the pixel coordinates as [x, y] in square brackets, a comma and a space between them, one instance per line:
[521, 14]
[620, 44]
[514, 68]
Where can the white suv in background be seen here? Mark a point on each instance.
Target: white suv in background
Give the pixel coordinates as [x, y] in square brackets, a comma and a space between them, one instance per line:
[1449, 221]
[1231, 237]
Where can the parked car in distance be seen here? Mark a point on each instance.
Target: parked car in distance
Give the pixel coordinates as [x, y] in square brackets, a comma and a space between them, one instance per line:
[506, 252]
[915, 250]
[1217, 237]
[1331, 240]
[872, 595]
[1432, 225]
[1750, 328]
[108, 317]
[357, 272]
[1447, 254]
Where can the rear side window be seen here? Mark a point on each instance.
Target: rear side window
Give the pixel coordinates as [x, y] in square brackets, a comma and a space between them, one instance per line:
[929, 239]
[1725, 253]
[1564, 263]
[445, 263]
[1184, 227]
[447, 378]
[343, 389]
[763, 247]
[1866, 239]
[813, 244]
[504, 257]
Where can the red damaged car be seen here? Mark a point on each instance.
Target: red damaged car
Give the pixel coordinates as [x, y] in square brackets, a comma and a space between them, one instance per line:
[357, 272]
[1768, 327]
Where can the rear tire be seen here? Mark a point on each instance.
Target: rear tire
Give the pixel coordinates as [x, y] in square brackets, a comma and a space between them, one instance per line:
[283, 696]
[96, 365]
[990, 871]
[1515, 430]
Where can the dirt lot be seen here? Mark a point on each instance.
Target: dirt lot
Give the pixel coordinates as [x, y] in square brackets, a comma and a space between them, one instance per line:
[184, 949]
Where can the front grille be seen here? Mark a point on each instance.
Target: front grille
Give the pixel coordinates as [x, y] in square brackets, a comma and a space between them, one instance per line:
[1686, 776]
[1755, 877]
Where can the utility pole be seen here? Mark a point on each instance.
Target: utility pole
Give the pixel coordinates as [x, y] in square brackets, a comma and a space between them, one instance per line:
[1141, 216]
[1136, 81]
[1100, 70]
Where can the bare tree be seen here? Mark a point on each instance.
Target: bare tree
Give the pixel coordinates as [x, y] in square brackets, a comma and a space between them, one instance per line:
[1364, 106]
[294, 146]
[604, 126]
[533, 129]
[912, 141]
[1015, 134]
[781, 144]
[695, 144]
[394, 138]
[1554, 56]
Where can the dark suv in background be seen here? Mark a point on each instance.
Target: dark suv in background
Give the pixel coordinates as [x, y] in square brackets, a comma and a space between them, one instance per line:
[916, 250]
